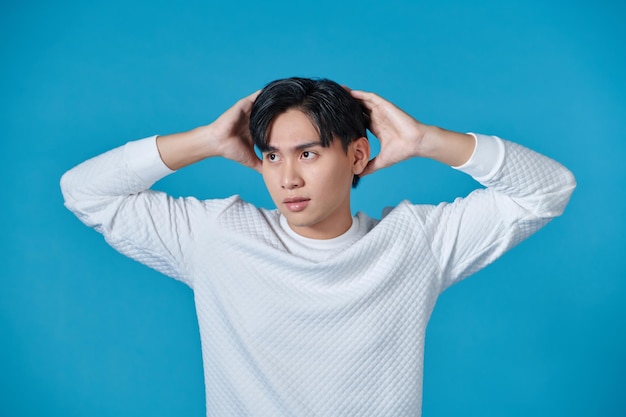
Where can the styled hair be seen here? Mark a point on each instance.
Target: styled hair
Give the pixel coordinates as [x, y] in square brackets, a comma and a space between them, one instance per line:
[329, 107]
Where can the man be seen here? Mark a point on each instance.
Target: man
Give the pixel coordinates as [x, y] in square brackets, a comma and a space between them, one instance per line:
[307, 309]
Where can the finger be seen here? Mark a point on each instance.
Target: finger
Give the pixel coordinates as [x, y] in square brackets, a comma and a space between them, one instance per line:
[370, 100]
[254, 95]
[371, 167]
[247, 102]
[358, 94]
[255, 163]
[364, 96]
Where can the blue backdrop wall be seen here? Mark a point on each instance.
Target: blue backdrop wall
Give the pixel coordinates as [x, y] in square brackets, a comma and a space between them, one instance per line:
[86, 331]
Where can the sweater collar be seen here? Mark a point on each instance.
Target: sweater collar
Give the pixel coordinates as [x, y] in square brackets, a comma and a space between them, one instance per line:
[323, 244]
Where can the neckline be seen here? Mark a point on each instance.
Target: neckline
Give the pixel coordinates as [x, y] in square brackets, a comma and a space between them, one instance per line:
[323, 244]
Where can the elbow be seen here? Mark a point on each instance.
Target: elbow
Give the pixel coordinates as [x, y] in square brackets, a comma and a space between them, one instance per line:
[559, 198]
[570, 182]
[568, 186]
[68, 188]
[552, 199]
[74, 191]
[66, 185]
[84, 207]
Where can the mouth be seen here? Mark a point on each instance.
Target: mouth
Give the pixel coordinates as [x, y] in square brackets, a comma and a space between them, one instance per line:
[296, 204]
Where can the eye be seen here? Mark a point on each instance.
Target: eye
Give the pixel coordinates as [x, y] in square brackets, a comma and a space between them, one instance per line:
[308, 155]
[272, 157]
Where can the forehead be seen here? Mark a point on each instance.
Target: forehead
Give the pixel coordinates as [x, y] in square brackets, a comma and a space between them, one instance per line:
[292, 128]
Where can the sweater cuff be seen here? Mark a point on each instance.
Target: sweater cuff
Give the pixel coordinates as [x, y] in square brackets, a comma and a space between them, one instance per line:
[142, 157]
[486, 159]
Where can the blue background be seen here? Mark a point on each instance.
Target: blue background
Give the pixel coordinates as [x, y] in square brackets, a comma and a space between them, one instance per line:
[86, 331]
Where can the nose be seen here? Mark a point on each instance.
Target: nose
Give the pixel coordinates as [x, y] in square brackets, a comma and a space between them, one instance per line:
[291, 178]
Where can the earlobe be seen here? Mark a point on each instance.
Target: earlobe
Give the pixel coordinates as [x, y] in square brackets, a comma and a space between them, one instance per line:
[361, 154]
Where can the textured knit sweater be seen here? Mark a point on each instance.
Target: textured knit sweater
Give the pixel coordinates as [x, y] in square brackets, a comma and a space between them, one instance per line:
[292, 326]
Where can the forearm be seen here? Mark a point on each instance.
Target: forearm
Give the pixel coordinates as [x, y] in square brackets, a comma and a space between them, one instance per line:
[126, 170]
[110, 194]
[445, 146]
[181, 149]
[536, 182]
[525, 190]
[539, 184]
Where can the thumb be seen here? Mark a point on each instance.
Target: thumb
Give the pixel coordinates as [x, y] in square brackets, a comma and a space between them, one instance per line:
[257, 166]
[372, 166]
[255, 163]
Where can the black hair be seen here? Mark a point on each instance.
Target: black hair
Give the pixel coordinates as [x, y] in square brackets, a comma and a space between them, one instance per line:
[329, 106]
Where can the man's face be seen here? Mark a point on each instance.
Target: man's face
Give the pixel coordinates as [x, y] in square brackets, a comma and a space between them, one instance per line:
[310, 184]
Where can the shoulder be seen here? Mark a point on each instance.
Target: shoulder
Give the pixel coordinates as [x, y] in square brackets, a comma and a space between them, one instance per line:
[404, 216]
[215, 213]
[429, 217]
[234, 206]
[236, 215]
[407, 211]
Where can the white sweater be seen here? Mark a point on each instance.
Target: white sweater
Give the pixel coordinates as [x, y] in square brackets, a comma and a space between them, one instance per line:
[296, 327]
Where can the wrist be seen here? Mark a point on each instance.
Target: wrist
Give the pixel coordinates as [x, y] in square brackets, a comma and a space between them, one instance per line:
[181, 149]
[448, 147]
[428, 141]
[204, 142]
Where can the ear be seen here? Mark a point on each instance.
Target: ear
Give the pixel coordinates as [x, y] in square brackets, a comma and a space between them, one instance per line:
[360, 154]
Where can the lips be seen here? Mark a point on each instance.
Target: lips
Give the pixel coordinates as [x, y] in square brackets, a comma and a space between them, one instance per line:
[296, 204]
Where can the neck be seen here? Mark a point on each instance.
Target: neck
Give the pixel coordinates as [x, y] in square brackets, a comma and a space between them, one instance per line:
[323, 230]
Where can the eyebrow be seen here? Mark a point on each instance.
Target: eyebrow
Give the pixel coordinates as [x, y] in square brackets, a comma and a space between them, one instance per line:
[297, 147]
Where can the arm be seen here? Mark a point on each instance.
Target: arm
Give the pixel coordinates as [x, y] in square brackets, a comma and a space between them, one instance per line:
[487, 159]
[111, 191]
[228, 136]
[524, 191]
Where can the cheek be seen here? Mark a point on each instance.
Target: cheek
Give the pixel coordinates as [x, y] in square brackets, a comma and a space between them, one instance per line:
[333, 180]
[269, 174]
[270, 182]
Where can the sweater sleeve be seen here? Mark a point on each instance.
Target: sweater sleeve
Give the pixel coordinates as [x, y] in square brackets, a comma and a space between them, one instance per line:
[524, 191]
[111, 194]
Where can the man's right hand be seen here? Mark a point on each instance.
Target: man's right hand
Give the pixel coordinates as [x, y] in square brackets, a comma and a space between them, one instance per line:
[228, 136]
